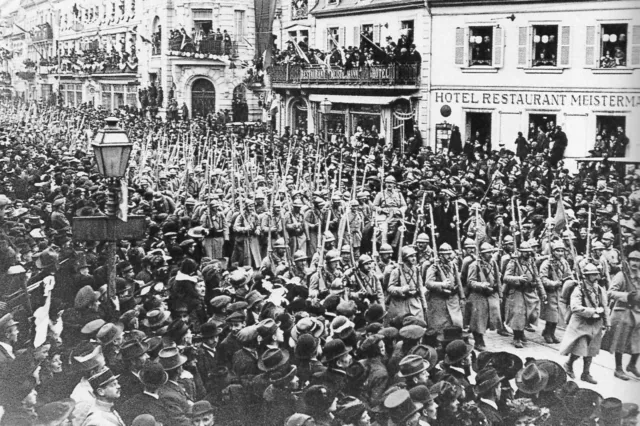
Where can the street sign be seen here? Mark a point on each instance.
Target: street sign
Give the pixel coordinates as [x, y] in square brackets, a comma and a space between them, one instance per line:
[104, 228]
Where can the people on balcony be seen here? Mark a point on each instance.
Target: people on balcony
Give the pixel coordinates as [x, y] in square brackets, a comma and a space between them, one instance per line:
[200, 41]
[92, 61]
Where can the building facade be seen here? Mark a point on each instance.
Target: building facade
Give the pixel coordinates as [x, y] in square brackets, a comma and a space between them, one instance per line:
[385, 98]
[509, 67]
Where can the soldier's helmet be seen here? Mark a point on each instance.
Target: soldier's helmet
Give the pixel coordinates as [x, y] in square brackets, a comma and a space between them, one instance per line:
[486, 248]
[407, 252]
[422, 238]
[300, 255]
[386, 248]
[279, 243]
[364, 259]
[389, 179]
[590, 269]
[445, 248]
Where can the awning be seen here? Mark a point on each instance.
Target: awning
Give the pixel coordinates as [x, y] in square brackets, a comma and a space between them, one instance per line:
[363, 100]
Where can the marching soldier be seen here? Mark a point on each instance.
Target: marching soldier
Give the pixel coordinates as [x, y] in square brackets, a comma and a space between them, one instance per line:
[406, 291]
[247, 245]
[276, 259]
[424, 253]
[300, 268]
[390, 203]
[445, 295]
[314, 219]
[329, 243]
[364, 283]
[325, 275]
[270, 226]
[356, 227]
[589, 317]
[218, 231]
[521, 284]
[624, 336]
[553, 273]
[385, 264]
[295, 225]
[484, 295]
[611, 254]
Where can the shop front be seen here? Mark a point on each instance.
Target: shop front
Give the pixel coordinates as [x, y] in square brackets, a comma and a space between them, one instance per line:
[495, 116]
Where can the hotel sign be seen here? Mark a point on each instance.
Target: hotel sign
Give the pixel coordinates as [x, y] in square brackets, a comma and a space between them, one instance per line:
[545, 99]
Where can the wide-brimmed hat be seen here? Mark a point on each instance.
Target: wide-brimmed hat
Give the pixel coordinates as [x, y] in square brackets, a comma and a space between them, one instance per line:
[532, 379]
[133, 349]
[56, 412]
[272, 359]
[283, 374]
[109, 332]
[449, 334]
[557, 374]
[456, 351]
[412, 365]
[153, 375]
[375, 313]
[334, 349]
[308, 325]
[155, 319]
[428, 353]
[171, 358]
[400, 406]
[487, 379]
[583, 404]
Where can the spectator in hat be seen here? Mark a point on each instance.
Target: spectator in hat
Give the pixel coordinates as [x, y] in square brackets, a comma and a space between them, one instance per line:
[202, 414]
[107, 391]
[245, 361]
[489, 390]
[8, 338]
[133, 354]
[319, 403]
[84, 310]
[172, 394]
[337, 359]
[305, 357]
[374, 352]
[235, 322]
[19, 398]
[207, 360]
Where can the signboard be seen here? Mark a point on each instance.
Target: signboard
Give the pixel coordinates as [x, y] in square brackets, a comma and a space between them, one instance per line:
[103, 228]
[443, 135]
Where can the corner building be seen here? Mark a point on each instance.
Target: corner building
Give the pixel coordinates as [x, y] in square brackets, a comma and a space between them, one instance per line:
[503, 67]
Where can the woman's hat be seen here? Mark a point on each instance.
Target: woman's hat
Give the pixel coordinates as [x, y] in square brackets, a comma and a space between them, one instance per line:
[307, 325]
[456, 351]
[56, 412]
[272, 359]
[532, 379]
[170, 358]
[557, 374]
[153, 375]
[283, 374]
[133, 349]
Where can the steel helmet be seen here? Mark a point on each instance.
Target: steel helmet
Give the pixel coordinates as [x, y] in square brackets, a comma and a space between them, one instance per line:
[328, 237]
[557, 245]
[345, 249]
[297, 203]
[590, 269]
[568, 234]
[445, 249]
[597, 245]
[533, 243]
[469, 243]
[408, 251]
[389, 179]
[608, 236]
[525, 247]
[635, 255]
[486, 248]
[336, 196]
[300, 255]
[361, 195]
[332, 256]
[422, 238]
[279, 243]
[386, 248]
[508, 240]
[364, 259]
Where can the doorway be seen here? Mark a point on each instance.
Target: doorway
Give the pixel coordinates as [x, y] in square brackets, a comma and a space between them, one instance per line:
[478, 127]
[203, 98]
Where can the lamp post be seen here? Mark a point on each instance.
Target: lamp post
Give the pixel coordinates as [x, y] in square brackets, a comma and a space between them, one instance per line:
[325, 108]
[112, 149]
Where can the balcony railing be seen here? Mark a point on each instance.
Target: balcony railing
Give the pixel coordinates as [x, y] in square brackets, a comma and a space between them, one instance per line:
[382, 75]
[206, 49]
[299, 12]
[44, 32]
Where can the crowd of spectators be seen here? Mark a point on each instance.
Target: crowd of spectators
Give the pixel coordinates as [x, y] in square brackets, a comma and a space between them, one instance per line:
[90, 61]
[367, 54]
[610, 143]
[201, 41]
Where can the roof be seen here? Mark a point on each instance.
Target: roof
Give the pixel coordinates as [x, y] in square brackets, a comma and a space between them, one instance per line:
[344, 7]
[452, 3]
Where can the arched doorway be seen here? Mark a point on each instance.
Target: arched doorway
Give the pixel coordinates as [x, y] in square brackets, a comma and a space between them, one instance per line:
[203, 97]
[239, 107]
[299, 115]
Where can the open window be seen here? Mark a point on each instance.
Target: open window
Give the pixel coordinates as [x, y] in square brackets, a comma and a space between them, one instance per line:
[545, 45]
[479, 46]
[478, 127]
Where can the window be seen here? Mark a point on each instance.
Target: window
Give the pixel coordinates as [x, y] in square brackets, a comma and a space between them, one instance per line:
[613, 45]
[365, 31]
[239, 24]
[332, 2]
[611, 137]
[333, 38]
[545, 45]
[480, 45]
[406, 29]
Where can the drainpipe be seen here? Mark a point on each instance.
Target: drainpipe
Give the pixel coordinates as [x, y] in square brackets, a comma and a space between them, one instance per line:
[430, 20]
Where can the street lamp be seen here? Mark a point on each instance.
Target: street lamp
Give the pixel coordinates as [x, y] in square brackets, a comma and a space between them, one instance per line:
[112, 149]
[325, 108]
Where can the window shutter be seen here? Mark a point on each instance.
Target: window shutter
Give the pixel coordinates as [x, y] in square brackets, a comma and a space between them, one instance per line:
[565, 46]
[343, 37]
[377, 31]
[635, 46]
[461, 40]
[325, 43]
[498, 47]
[523, 47]
[356, 35]
[590, 52]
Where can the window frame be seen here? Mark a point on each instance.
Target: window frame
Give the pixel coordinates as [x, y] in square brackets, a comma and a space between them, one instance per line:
[469, 57]
[534, 44]
[462, 54]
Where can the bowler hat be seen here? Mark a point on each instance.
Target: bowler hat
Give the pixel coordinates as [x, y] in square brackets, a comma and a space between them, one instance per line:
[375, 313]
[153, 375]
[170, 358]
[334, 349]
[177, 330]
[209, 330]
[456, 351]
[421, 394]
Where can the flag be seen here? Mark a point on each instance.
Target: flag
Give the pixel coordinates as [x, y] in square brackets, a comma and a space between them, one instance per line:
[123, 205]
[560, 221]
[300, 52]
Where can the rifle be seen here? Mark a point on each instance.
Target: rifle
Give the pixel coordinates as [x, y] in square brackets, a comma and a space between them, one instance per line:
[515, 243]
[457, 226]
[285, 234]
[401, 241]
[434, 246]
[418, 217]
[321, 248]
[624, 265]
[273, 201]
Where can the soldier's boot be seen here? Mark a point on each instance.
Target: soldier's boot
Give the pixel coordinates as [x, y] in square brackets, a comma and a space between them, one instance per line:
[586, 375]
[517, 338]
[568, 366]
[631, 367]
[552, 332]
[479, 342]
[546, 333]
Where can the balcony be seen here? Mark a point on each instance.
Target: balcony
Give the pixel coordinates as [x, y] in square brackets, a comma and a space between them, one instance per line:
[43, 32]
[299, 12]
[5, 78]
[377, 75]
[207, 49]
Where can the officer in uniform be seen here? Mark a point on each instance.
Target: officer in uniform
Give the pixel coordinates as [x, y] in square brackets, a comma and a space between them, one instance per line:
[389, 202]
